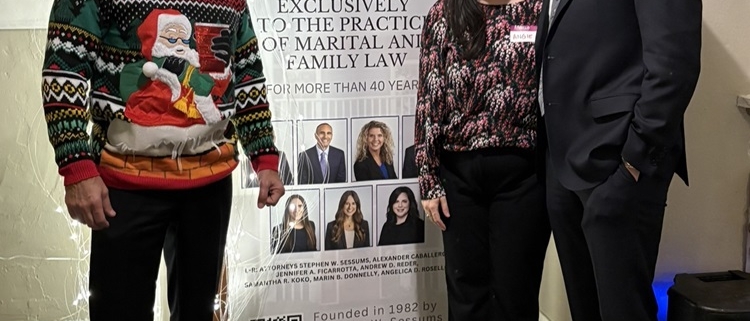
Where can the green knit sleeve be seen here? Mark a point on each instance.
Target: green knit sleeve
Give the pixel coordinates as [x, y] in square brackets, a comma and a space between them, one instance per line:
[73, 39]
[253, 117]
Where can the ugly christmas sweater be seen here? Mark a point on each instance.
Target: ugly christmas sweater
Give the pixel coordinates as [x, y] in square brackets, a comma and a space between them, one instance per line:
[169, 86]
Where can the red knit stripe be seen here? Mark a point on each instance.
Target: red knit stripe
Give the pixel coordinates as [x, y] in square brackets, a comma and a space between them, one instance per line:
[123, 181]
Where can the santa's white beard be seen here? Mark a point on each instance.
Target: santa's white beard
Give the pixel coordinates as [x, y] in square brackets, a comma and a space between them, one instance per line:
[160, 50]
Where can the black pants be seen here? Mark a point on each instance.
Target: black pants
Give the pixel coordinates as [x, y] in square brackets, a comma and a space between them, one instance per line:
[496, 238]
[607, 238]
[190, 225]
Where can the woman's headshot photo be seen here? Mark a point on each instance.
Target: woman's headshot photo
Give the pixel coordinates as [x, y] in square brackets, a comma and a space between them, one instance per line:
[403, 224]
[375, 153]
[296, 232]
[349, 228]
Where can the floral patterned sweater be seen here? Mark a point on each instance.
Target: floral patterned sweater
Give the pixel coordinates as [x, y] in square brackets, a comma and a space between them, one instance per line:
[487, 102]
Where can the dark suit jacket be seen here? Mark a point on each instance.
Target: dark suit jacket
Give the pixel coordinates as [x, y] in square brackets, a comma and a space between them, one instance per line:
[411, 231]
[341, 244]
[409, 170]
[618, 76]
[368, 170]
[309, 167]
[285, 173]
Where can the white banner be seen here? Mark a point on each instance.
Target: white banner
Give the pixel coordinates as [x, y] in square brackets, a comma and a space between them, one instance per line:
[344, 63]
[24, 14]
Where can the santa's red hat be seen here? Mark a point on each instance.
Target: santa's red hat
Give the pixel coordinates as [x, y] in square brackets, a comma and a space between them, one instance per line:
[155, 22]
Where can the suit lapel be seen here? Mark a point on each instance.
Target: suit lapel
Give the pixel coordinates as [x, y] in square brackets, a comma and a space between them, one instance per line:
[560, 10]
[315, 162]
[541, 34]
[333, 160]
[374, 168]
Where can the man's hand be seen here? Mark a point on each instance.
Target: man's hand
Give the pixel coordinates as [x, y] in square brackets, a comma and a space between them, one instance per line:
[432, 210]
[88, 203]
[271, 188]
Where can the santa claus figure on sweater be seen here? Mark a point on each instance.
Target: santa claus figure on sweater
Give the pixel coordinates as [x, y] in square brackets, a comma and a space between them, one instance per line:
[169, 87]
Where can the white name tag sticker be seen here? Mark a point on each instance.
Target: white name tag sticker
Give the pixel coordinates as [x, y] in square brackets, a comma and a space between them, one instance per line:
[522, 33]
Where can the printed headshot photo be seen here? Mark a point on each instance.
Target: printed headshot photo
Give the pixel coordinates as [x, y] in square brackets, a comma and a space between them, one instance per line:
[409, 168]
[348, 215]
[294, 222]
[375, 149]
[284, 139]
[322, 158]
[399, 215]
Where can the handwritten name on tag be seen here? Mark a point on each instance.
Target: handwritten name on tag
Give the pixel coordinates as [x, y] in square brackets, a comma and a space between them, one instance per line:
[522, 33]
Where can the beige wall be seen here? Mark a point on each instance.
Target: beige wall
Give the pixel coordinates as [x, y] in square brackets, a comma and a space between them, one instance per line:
[38, 267]
[703, 229]
[40, 263]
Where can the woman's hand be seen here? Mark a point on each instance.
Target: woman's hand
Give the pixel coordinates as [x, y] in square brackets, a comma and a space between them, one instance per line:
[432, 209]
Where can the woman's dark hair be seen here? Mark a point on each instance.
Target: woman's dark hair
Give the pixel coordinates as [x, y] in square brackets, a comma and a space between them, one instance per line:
[413, 211]
[466, 21]
[290, 220]
[357, 218]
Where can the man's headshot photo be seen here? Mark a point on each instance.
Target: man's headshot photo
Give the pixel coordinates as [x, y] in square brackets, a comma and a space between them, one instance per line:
[322, 163]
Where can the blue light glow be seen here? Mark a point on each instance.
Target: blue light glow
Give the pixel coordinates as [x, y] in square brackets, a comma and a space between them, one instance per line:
[662, 299]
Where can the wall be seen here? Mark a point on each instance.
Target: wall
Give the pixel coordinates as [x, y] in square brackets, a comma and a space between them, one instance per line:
[42, 256]
[39, 262]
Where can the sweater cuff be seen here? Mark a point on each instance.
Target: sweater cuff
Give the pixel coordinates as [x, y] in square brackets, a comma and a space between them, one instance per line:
[264, 162]
[78, 171]
[637, 152]
[430, 187]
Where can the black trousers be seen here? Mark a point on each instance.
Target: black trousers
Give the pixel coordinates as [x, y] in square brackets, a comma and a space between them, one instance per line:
[191, 227]
[607, 238]
[496, 237]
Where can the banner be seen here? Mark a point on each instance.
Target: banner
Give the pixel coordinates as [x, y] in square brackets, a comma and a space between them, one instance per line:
[17, 15]
[332, 68]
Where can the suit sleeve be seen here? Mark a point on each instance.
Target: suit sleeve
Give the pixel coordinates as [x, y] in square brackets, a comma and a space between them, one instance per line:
[360, 171]
[420, 230]
[275, 235]
[285, 170]
[315, 234]
[384, 238]
[366, 226]
[341, 175]
[671, 40]
[303, 174]
[410, 169]
[328, 243]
